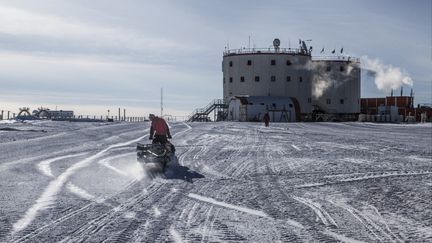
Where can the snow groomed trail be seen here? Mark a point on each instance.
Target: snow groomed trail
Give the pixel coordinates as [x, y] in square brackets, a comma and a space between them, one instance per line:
[231, 182]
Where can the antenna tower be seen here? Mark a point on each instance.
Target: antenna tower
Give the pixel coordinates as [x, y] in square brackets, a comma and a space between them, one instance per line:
[161, 113]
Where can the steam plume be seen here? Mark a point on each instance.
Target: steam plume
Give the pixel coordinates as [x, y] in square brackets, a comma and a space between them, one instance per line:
[386, 77]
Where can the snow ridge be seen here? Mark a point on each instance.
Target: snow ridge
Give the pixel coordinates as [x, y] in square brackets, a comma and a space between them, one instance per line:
[226, 205]
[45, 168]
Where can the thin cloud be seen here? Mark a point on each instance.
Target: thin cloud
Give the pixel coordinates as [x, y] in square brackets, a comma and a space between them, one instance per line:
[24, 24]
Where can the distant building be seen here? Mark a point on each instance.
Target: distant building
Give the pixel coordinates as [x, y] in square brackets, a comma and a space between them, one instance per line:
[402, 106]
[61, 114]
[318, 84]
[46, 113]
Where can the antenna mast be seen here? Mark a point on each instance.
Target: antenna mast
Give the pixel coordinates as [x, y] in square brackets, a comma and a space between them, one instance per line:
[161, 102]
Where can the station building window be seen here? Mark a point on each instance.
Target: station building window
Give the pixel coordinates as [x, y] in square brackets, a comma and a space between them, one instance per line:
[257, 78]
[230, 63]
[288, 79]
[300, 79]
[328, 69]
[309, 100]
[231, 79]
[273, 62]
[273, 78]
[249, 62]
[328, 101]
[342, 68]
[288, 63]
[342, 101]
[242, 79]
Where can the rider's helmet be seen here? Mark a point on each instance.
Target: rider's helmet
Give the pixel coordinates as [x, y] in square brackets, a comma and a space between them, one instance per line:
[151, 116]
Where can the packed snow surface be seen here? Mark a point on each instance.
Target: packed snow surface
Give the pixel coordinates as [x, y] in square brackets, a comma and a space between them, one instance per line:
[229, 182]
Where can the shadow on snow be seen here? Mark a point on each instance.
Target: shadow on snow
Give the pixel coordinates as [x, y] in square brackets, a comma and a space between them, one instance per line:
[176, 171]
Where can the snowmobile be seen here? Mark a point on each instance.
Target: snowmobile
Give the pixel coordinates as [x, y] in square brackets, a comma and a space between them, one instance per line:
[155, 154]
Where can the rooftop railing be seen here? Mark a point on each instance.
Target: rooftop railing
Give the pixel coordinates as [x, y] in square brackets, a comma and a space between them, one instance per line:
[336, 58]
[269, 50]
[296, 51]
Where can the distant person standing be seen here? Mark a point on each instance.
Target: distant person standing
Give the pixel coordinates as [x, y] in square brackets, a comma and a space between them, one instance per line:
[266, 119]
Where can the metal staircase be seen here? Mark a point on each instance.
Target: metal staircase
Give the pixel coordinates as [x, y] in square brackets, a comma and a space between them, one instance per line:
[217, 106]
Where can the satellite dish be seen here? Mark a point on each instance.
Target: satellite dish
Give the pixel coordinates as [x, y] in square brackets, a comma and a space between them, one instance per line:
[276, 43]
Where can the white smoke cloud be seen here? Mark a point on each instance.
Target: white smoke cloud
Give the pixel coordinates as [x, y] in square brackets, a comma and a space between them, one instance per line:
[319, 87]
[386, 77]
[323, 80]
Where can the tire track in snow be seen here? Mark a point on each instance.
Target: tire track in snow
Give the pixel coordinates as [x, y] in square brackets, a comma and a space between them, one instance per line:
[131, 170]
[205, 231]
[175, 235]
[355, 177]
[304, 228]
[384, 222]
[323, 215]
[45, 165]
[295, 147]
[7, 165]
[188, 128]
[242, 161]
[342, 238]
[83, 193]
[183, 156]
[282, 223]
[48, 196]
[212, 223]
[53, 224]
[207, 227]
[371, 226]
[98, 224]
[226, 205]
[157, 230]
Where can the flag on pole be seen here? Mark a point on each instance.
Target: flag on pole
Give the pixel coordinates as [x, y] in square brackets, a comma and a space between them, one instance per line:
[341, 50]
[334, 50]
[322, 51]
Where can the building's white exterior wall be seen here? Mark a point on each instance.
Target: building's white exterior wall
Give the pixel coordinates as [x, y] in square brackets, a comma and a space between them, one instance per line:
[261, 66]
[335, 85]
[280, 109]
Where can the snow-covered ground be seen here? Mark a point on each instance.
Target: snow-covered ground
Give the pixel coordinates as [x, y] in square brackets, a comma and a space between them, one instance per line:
[231, 182]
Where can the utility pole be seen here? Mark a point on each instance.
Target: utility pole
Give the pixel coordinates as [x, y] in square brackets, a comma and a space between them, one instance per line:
[119, 116]
[124, 114]
[161, 114]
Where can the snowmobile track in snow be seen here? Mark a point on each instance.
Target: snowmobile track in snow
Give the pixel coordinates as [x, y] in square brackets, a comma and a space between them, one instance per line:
[75, 213]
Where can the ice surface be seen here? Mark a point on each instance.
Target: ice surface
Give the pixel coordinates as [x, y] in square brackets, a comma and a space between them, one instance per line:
[229, 182]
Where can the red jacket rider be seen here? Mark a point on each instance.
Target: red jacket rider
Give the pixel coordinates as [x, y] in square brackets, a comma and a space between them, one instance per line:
[159, 130]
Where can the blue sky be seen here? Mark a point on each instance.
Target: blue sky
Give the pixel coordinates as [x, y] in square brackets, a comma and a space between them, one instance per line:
[91, 56]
